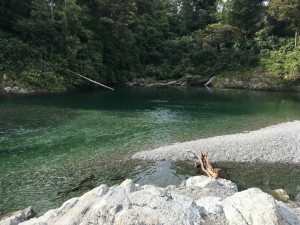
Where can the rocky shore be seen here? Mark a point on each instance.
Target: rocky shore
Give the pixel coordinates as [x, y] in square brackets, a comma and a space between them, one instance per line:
[21, 91]
[199, 200]
[259, 81]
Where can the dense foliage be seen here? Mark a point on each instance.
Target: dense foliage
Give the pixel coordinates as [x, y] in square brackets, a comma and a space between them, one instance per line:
[42, 42]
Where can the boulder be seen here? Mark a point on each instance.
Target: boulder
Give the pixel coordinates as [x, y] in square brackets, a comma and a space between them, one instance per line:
[202, 186]
[297, 198]
[281, 195]
[17, 217]
[199, 200]
[125, 204]
[15, 90]
[256, 207]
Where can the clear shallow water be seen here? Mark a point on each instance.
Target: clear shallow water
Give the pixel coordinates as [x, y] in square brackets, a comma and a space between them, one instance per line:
[51, 143]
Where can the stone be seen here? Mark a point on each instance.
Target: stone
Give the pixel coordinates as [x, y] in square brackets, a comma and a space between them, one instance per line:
[280, 194]
[198, 181]
[297, 198]
[256, 207]
[7, 89]
[211, 204]
[203, 186]
[18, 217]
[15, 90]
[28, 213]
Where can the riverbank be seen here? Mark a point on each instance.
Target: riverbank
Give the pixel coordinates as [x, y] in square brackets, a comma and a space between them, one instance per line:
[244, 78]
[277, 143]
[248, 82]
[254, 80]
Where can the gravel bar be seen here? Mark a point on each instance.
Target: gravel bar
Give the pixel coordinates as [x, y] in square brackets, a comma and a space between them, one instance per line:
[277, 143]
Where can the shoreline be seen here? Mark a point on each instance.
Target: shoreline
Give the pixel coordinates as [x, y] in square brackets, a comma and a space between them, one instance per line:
[17, 91]
[276, 143]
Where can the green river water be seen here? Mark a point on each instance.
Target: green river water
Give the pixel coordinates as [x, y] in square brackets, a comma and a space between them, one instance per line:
[51, 143]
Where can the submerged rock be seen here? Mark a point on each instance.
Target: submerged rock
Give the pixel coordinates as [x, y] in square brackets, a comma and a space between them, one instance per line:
[199, 200]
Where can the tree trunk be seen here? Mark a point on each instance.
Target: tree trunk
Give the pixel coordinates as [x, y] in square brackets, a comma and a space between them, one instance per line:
[52, 11]
[95, 82]
[296, 37]
[66, 19]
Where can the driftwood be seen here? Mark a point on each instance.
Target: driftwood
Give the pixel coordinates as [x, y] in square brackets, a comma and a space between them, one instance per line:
[206, 166]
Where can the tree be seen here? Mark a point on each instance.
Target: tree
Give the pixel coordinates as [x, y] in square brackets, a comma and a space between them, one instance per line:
[70, 15]
[13, 10]
[39, 27]
[217, 35]
[288, 11]
[197, 14]
[117, 15]
[243, 14]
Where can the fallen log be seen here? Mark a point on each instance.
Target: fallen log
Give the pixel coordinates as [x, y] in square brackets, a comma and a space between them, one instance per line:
[210, 80]
[95, 82]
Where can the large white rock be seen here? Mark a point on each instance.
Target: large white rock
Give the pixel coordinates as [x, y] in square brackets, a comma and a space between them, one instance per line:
[199, 200]
[125, 204]
[256, 207]
[18, 217]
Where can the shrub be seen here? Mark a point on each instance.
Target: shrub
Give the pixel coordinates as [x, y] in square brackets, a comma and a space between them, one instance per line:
[41, 79]
[283, 63]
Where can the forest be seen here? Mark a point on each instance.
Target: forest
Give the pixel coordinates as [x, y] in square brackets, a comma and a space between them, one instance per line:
[43, 42]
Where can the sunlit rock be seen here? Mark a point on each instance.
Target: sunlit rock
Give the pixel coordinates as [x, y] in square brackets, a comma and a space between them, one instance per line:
[199, 200]
[18, 217]
[256, 207]
[281, 195]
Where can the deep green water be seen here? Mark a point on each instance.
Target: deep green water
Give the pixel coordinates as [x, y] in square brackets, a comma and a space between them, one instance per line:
[50, 143]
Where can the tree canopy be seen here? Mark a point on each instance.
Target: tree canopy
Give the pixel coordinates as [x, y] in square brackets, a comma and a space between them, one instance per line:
[115, 41]
[287, 11]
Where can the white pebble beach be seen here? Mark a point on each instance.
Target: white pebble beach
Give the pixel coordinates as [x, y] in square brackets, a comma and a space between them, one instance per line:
[277, 143]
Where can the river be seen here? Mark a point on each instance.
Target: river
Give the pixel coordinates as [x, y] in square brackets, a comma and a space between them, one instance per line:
[51, 143]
